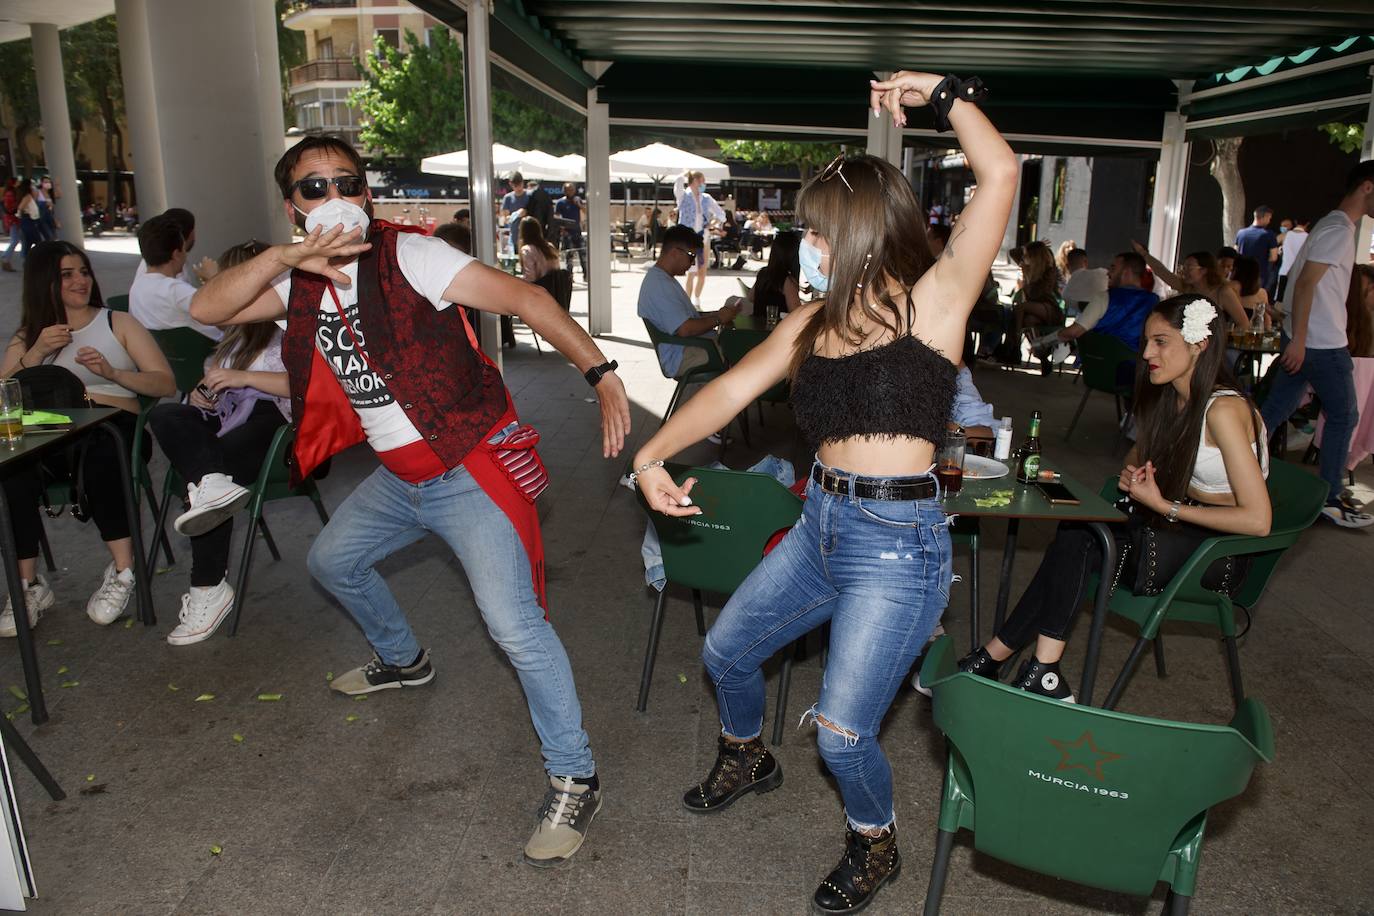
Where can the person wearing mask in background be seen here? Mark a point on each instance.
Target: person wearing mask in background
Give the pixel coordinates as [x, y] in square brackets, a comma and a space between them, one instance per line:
[1258, 241]
[160, 298]
[1315, 349]
[1293, 240]
[47, 220]
[696, 210]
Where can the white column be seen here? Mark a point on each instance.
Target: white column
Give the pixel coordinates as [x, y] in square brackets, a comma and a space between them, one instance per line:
[219, 118]
[1166, 211]
[140, 106]
[1366, 228]
[598, 207]
[57, 128]
[477, 64]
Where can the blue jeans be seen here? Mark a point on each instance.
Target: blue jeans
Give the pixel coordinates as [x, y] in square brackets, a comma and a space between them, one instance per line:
[1332, 376]
[879, 572]
[385, 514]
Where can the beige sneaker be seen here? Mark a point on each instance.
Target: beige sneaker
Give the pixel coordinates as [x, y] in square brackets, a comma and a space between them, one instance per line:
[37, 598]
[378, 675]
[564, 817]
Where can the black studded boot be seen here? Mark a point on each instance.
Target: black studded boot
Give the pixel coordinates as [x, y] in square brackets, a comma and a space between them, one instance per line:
[739, 769]
[868, 863]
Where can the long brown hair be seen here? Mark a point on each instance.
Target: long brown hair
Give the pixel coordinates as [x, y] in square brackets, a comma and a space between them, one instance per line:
[1211, 272]
[875, 230]
[1359, 323]
[42, 297]
[1037, 266]
[242, 343]
[1168, 433]
[532, 234]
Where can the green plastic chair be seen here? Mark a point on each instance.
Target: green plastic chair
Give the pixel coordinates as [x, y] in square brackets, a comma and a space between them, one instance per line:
[273, 483]
[713, 366]
[735, 344]
[1296, 498]
[1099, 355]
[1100, 798]
[117, 303]
[186, 350]
[715, 551]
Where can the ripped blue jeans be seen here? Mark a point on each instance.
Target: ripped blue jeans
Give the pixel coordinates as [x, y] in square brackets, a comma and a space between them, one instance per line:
[879, 572]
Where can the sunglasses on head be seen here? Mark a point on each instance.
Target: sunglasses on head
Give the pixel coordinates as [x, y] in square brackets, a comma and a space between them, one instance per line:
[836, 170]
[315, 188]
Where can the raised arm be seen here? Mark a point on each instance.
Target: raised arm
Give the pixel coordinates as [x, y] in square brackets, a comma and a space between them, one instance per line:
[488, 289]
[961, 272]
[242, 294]
[1174, 281]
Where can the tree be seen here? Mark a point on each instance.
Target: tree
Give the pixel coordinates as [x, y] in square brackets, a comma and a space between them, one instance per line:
[291, 53]
[1348, 137]
[1225, 168]
[805, 156]
[90, 56]
[19, 90]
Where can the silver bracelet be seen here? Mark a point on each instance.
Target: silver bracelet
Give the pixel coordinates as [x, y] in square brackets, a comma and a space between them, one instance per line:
[1173, 511]
[634, 475]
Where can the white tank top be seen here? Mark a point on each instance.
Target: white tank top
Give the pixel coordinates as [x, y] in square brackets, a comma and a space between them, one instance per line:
[1209, 471]
[99, 334]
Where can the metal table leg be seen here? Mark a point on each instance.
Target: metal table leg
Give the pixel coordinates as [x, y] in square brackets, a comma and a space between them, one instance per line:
[1004, 587]
[38, 709]
[142, 587]
[1099, 622]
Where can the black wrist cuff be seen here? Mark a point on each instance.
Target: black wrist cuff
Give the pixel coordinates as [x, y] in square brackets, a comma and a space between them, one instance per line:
[951, 89]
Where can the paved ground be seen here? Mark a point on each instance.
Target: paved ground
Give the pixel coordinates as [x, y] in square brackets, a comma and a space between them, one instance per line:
[422, 802]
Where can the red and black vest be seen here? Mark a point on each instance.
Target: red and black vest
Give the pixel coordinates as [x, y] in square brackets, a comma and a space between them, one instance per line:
[446, 388]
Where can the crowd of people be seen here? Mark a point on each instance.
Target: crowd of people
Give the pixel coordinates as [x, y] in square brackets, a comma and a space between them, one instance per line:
[363, 332]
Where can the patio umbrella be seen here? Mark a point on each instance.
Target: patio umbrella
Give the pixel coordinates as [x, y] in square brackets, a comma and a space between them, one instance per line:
[656, 162]
[503, 159]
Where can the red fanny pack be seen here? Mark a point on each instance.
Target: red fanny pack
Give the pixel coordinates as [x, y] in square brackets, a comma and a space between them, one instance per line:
[516, 455]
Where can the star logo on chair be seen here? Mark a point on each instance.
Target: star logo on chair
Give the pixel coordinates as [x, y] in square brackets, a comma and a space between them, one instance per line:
[1083, 755]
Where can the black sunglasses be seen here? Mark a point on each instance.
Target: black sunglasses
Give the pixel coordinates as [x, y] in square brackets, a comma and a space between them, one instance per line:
[315, 188]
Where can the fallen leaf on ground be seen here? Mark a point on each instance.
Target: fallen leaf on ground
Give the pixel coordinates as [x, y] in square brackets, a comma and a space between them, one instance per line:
[238, 739]
[54, 642]
[216, 850]
[18, 693]
[269, 697]
[173, 687]
[71, 683]
[350, 718]
[90, 777]
[329, 675]
[204, 697]
[63, 670]
[360, 698]
[129, 624]
[682, 678]
[21, 709]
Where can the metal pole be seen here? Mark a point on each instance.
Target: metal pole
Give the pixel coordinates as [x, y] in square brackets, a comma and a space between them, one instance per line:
[477, 63]
[598, 207]
[1166, 210]
[57, 129]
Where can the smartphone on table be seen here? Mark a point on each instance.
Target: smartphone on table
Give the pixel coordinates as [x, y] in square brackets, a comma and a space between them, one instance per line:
[1058, 494]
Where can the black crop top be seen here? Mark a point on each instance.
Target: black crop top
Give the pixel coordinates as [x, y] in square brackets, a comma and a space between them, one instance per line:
[902, 388]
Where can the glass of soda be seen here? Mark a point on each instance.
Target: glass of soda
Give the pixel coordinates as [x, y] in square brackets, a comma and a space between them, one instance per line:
[949, 465]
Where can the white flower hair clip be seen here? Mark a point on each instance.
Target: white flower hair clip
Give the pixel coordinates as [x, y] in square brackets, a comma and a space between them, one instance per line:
[1197, 320]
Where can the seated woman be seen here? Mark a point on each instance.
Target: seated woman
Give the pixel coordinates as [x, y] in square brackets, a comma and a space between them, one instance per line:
[778, 283]
[537, 256]
[64, 323]
[1201, 274]
[1038, 305]
[1199, 459]
[1245, 281]
[217, 444]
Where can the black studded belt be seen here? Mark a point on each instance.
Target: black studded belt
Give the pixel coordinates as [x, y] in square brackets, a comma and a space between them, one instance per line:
[872, 487]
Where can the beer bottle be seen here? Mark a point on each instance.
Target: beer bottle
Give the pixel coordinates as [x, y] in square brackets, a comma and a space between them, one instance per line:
[1028, 463]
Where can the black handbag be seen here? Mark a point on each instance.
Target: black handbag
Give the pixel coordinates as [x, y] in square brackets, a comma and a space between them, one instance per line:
[50, 387]
[1161, 548]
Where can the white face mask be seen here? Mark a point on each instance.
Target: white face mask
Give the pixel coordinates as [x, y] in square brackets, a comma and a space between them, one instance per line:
[336, 212]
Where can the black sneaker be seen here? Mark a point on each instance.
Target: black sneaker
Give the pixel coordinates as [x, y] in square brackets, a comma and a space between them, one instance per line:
[377, 675]
[976, 662]
[1043, 680]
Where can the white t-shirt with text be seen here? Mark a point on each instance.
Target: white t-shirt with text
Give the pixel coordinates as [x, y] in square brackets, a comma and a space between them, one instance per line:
[1331, 242]
[428, 264]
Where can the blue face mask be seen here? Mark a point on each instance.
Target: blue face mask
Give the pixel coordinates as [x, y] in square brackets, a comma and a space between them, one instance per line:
[810, 257]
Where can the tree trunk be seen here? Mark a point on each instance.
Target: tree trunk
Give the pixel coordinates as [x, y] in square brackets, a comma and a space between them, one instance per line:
[107, 113]
[1225, 168]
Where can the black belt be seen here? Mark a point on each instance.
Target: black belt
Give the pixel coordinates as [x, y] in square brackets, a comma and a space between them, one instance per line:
[872, 487]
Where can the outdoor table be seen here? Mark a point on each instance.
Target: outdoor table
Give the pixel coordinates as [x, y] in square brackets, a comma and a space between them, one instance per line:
[1027, 502]
[1250, 354]
[32, 447]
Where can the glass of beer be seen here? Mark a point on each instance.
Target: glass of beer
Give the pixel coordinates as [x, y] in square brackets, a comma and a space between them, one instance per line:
[11, 412]
[949, 466]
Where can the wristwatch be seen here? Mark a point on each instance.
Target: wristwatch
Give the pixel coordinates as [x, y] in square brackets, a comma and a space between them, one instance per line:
[594, 374]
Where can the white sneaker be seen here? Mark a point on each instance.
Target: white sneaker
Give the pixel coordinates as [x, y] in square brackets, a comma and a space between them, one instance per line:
[109, 601]
[213, 503]
[715, 439]
[37, 598]
[1061, 353]
[202, 610]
